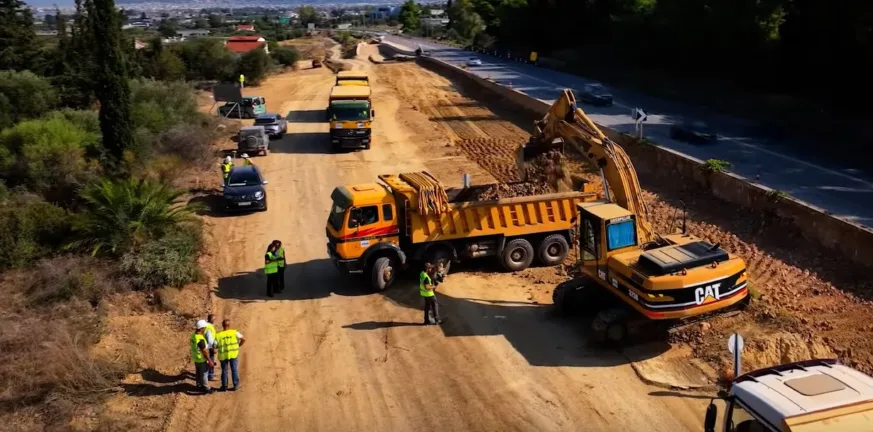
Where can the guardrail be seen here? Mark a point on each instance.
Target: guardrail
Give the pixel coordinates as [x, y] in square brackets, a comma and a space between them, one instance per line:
[854, 241]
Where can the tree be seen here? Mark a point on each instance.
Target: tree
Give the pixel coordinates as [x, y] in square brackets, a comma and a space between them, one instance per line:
[206, 59]
[285, 56]
[112, 88]
[28, 95]
[124, 214]
[75, 71]
[169, 67]
[308, 15]
[254, 65]
[410, 16]
[18, 43]
[168, 28]
[215, 21]
[465, 20]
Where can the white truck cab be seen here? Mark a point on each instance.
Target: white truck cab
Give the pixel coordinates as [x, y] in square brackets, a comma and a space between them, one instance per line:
[806, 396]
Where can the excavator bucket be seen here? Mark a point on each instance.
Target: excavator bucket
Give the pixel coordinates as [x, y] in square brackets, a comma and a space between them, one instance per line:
[534, 148]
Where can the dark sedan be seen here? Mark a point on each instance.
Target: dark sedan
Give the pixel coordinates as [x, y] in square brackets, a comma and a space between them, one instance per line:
[274, 124]
[594, 94]
[695, 131]
[244, 189]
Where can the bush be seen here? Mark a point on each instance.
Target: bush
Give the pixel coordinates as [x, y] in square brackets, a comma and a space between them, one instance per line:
[716, 166]
[206, 59]
[158, 106]
[255, 65]
[28, 96]
[30, 229]
[123, 215]
[47, 156]
[285, 56]
[168, 261]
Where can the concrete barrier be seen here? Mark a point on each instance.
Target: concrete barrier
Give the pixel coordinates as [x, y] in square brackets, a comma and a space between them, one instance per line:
[855, 242]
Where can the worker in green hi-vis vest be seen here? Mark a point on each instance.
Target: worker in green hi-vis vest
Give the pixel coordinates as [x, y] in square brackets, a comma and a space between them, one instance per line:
[271, 269]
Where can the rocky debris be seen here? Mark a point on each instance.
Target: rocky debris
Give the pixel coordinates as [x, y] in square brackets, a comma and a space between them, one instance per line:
[509, 190]
[549, 169]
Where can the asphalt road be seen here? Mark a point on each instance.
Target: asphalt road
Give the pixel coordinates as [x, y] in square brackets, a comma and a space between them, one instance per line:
[844, 192]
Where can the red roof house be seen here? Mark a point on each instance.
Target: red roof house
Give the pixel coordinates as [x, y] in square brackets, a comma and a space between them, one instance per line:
[245, 27]
[244, 44]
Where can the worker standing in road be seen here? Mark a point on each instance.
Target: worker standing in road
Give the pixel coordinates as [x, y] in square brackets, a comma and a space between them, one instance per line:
[226, 166]
[280, 260]
[426, 289]
[271, 269]
[200, 356]
[246, 160]
[229, 342]
[209, 334]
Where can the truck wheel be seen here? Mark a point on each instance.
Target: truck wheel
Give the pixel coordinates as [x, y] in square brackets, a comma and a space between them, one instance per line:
[553, 250]
[517, 255]
[383, 273]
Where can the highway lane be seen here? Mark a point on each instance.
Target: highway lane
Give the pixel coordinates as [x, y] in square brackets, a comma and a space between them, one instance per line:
[844, 192]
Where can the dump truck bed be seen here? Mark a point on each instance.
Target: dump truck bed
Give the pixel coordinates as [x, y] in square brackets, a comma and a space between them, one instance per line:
[505, 217]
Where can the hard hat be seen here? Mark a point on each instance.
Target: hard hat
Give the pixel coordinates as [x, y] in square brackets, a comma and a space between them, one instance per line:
[200, 324]
[227, 159]
[245, 155]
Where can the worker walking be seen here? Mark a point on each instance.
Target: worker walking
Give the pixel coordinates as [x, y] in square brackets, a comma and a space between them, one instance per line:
[226, 166]
[229, 341]
[246, 160]
[209, 334]
[271, 269]
[200, 356]
[426, 288]
[280, 260]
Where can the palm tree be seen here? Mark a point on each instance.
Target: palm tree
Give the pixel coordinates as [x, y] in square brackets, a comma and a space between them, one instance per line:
[120, 215]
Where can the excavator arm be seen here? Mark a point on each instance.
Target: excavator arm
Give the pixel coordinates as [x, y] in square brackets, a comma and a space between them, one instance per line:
[566, 123]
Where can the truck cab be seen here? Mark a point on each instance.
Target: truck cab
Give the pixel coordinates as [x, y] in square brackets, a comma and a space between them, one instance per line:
[350, 113]
[806, 396]
[362, 220]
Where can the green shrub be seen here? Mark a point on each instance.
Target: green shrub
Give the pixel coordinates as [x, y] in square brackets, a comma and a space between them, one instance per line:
[716, 166]
[158, 106]
[168, 261]
[28, 96]
[206, 59]
[47, 156]
[30, 229]
[255, 65]
[122, 215]
[285, 56]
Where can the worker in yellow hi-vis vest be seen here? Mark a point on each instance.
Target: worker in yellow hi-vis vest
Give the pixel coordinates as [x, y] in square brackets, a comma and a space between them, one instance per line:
[228, 343]
[200, 356]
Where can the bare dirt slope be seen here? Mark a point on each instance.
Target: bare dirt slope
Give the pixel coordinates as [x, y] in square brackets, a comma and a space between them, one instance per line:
[326, 355]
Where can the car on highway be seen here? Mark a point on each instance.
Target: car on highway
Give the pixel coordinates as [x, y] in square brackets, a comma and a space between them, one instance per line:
[274, 124]
[594, 94]
[474, 62]
[693, 131]
[244, 189]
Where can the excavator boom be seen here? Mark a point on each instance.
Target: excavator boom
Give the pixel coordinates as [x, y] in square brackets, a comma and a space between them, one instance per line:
[565, 122]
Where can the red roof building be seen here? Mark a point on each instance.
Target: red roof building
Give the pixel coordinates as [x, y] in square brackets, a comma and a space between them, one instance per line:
[244, 44]
[245, 27]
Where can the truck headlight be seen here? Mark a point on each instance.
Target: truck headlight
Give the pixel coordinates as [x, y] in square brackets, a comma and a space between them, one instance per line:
[259, 195]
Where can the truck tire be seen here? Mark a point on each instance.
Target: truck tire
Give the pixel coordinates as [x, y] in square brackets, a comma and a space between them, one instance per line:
[553, 250]
[383, 273]
[518, 254]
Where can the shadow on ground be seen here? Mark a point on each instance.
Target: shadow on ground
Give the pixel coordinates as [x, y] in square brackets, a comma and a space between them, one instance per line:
[308, 280]
[302, 143]
[157, 384]
[307, 116]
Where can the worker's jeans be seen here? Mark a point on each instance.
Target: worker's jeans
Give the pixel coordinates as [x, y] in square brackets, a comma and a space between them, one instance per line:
[430, 304]
[201, 372]
[231, 364]
[212, 368]
[281, 279]
[272, 284]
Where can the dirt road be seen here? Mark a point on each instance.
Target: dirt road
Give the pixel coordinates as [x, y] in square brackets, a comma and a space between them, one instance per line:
[326, 355]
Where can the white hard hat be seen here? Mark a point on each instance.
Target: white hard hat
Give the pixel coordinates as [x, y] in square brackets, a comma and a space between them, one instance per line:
[227, 159]
[200, 324]
[245, 155]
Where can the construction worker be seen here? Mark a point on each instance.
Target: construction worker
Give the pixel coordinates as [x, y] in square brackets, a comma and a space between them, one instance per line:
[200, 356]
[229, 341]
[246, 160]
[271, 269]
[426, 289]
[280, 261]
[209, 334]
[226, 166]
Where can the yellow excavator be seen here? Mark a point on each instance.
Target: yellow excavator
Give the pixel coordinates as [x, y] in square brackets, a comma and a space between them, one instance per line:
[632, 277]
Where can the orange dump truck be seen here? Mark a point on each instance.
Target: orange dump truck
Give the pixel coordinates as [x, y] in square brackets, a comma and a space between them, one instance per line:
[377, 229]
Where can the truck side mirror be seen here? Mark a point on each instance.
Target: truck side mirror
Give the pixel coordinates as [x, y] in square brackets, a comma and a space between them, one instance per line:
[709, 420]
[372, 113]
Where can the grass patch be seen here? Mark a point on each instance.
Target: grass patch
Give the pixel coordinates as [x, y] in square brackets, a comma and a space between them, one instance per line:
[716, 166]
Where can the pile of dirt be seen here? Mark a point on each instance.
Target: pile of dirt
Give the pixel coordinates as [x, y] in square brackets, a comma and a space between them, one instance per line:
[509, 190]
[550, 169]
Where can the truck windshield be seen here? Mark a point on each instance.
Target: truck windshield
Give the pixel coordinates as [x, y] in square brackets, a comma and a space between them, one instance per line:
[350, 111]
[335, 219]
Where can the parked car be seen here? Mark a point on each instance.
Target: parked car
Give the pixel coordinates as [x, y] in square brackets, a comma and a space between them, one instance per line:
[274, 124]
[253, 140]
[249, 107]
[594, 94]
[244, 189]
[474, 62]
[692, 130]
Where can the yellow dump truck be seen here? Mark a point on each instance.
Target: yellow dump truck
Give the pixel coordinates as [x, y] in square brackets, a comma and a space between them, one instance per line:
[352, 78]
[376, 229]
[350, 112]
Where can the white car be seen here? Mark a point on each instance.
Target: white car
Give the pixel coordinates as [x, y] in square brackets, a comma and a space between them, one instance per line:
[474, 62]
